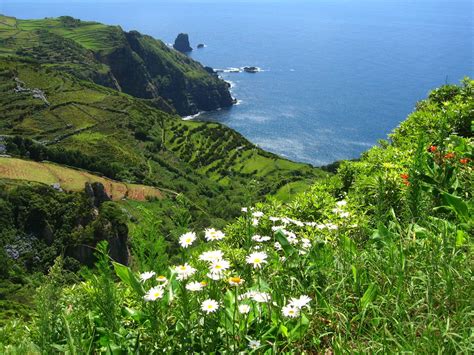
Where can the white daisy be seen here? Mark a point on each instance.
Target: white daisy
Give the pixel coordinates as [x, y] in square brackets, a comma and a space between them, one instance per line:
[194, 286]
[154, 293]
[345, 214]
[274, 219]
[260, 239]
[261, 297]
[341, 203]
[257, 214]
[209, 306]
[162, 279]
[299, 302]
[257, 259]
[305, 243]
[236, 281]
[254, 344]
[211, 255]
[244, 209]
[298, 223]
[290, 311]
[292, 239]
[244, 308]
[215, 276]
[277, 246]
[184, 271]
[255, 222]
[187, 239]
[212, 234]
[219, 266]
[147, 275]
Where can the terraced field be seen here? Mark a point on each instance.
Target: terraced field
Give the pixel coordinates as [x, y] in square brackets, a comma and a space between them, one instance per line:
[71, 179]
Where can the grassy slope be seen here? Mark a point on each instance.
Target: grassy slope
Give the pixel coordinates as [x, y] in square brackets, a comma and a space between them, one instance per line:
[386, 262]
[199, 159]
[71, 179]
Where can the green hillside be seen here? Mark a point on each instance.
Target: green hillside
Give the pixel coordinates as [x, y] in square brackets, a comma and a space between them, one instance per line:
[48, 114]
[374, 259]
[127, 61]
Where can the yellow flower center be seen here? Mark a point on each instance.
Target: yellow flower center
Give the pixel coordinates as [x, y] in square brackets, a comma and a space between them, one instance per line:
[256, 260]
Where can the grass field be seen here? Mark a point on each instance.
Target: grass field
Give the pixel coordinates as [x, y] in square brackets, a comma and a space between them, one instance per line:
[71, 179]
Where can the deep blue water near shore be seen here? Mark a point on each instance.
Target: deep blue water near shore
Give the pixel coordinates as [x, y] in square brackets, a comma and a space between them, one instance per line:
[337, 75]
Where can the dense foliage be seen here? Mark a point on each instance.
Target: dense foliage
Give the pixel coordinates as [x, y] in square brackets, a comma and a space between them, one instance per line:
[374, 259]
[38, 224]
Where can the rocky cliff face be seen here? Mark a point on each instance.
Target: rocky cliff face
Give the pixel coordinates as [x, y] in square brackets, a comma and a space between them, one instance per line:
[181, 43]
[147, 68]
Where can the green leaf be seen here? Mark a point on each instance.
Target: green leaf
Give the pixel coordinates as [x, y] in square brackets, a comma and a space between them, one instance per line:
[301, 327]
[284, 330]
[369, 296]
[349, 245]
[458, 205]
[129, 278]
[461, 238]
[137, 316]
[281, 238]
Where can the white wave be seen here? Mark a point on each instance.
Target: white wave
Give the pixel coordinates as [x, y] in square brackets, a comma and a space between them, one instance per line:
[191, 117]
[231, 83]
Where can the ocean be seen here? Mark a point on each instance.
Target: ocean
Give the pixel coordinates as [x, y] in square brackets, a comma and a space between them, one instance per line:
[336, 76]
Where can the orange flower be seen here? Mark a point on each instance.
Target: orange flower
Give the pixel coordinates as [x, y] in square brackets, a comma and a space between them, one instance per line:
[464, 161]
[432, 149]
[404, 176]
[449, 156]
[406, 182]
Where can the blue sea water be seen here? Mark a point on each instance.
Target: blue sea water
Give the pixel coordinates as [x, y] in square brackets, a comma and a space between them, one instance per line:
[337, 75]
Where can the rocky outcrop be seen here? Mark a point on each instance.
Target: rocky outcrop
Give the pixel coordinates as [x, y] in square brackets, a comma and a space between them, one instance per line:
[96, 193]
[201, 45]
[181, 43]
[251, 69]
[107, 225]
